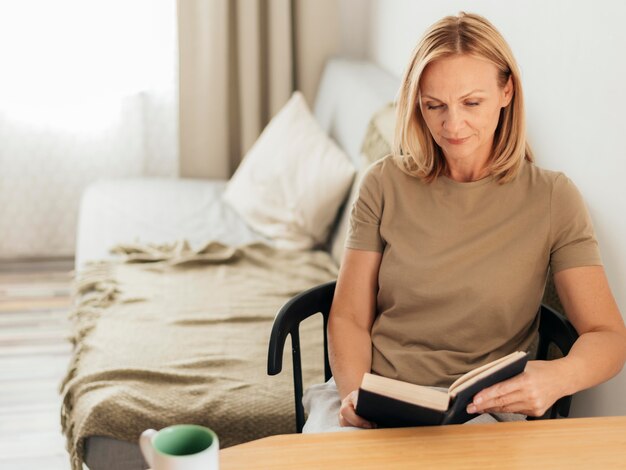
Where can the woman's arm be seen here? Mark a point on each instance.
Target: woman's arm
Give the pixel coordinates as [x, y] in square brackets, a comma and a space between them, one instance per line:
[349, 325]
[600, 351]
[597, 355]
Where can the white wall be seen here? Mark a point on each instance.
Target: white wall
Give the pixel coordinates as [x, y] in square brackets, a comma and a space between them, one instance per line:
[571, 54]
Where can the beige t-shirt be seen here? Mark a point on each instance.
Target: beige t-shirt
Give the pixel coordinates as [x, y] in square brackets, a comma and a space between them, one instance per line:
[464, 265]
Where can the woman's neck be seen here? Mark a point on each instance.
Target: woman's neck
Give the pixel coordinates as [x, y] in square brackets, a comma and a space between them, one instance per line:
[465, 174]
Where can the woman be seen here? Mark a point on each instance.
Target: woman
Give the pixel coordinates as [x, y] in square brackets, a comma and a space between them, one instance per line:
[450, 243]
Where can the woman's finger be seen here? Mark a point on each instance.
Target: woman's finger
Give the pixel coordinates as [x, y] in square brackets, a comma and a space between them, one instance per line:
[515, 407]
[348, 416]
[499, 390]
[499, 402]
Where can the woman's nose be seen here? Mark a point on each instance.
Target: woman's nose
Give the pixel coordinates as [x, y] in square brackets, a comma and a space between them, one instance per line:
[453, 122]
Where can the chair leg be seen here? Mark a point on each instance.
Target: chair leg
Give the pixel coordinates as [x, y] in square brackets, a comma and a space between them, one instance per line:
[297, 380]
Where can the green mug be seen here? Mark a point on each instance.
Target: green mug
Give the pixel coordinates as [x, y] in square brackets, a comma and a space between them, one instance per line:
[180, 447]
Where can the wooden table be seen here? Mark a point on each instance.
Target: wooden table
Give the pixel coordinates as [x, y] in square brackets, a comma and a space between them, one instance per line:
[564, 443]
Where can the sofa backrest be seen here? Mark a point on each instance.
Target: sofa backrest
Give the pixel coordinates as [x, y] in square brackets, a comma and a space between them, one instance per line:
[350, 92]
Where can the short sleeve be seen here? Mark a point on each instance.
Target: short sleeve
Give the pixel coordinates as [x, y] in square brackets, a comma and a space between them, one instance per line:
[573, 240]
[364, 227]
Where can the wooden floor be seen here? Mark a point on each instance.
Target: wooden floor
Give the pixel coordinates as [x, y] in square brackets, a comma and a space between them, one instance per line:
[34, 352]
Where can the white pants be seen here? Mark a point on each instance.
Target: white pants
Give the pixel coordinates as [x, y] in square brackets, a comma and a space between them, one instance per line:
[321, 404]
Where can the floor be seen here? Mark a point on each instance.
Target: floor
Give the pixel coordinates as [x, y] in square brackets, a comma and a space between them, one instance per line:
[34, 352]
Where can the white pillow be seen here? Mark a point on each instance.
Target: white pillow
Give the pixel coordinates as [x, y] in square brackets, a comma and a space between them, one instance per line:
[291, 183]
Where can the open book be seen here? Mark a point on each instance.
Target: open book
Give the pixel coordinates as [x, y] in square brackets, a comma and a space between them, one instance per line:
[394, 403]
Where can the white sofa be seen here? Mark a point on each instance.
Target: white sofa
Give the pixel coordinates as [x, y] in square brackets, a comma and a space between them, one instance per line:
[166, 210]
[162, 210]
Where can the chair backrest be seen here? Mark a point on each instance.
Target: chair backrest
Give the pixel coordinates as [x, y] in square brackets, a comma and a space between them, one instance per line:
[554, 329]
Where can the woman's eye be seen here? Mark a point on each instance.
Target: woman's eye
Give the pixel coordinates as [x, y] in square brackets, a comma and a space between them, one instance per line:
[431, 106]
[472, 103]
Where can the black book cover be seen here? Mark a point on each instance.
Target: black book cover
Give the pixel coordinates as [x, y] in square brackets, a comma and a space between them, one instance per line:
[457, 413]
[389, 412]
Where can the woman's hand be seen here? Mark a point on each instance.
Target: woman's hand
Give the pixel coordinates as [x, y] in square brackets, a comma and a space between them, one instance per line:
[347, 413]
[590, 306]
[532, 392]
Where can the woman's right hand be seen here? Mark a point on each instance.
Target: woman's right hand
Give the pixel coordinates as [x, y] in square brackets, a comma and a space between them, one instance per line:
[347, 413]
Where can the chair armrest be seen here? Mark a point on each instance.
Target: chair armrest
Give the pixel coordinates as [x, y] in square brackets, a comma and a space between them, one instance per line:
[315, 300]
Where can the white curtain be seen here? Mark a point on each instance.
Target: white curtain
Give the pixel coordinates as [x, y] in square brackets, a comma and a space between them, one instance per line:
[88, 90]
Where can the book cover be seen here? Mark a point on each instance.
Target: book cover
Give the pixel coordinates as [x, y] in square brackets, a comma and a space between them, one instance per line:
[383, 405]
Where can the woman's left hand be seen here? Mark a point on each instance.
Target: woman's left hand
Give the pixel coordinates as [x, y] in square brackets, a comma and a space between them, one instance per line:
[532, 392]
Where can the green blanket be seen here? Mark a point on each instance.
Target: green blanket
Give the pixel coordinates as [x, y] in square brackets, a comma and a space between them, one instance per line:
[173, 335]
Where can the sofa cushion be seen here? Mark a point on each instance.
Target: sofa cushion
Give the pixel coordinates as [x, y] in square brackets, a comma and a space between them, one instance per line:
[291, 183]
[156, 210]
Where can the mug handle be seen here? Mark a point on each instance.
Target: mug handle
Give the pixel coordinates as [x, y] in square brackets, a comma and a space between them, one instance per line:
[145, 443]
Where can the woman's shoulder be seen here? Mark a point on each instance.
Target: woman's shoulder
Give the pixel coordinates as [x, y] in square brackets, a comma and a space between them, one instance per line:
[384, 169]
[539, 176]
[551, 185]
[385, 180]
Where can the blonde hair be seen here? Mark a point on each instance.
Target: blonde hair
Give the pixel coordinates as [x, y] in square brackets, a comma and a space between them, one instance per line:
[415, 150]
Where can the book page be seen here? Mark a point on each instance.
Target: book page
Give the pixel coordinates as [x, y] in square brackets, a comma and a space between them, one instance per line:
[476, 374]
[407, 392]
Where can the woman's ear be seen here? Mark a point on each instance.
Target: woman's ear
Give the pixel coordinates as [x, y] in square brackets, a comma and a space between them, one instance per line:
[508, 90]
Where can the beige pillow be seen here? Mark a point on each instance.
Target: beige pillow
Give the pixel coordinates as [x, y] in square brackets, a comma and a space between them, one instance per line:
[291, 183]
[379, 135]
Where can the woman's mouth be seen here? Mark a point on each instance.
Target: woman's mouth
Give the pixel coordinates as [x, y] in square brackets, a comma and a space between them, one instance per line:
[456, 141]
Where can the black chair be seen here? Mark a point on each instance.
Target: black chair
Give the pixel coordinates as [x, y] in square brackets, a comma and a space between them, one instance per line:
[554, 328]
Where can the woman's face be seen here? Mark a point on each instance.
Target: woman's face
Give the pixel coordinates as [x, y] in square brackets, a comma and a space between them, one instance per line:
[461, 102]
